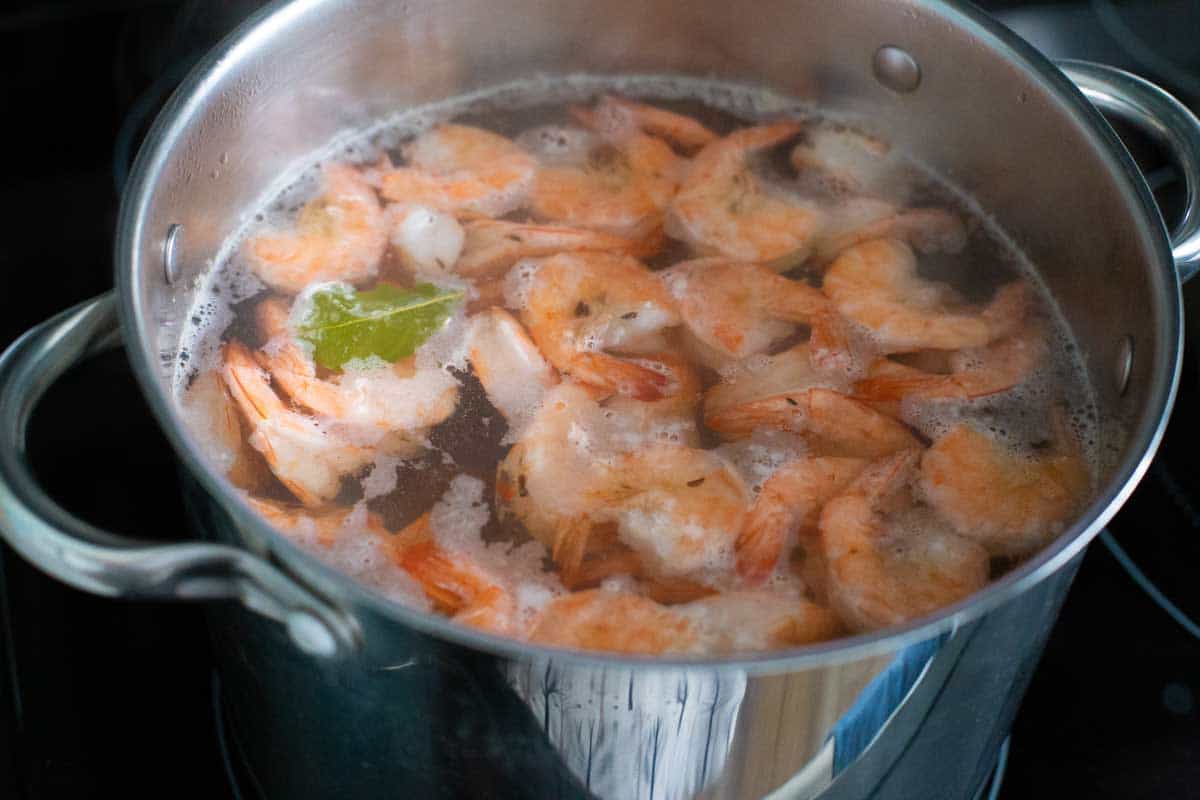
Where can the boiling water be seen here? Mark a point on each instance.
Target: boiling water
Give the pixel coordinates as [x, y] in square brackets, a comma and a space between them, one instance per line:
[454, 474]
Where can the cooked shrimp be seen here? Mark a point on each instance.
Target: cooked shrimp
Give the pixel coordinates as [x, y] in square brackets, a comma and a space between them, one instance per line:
[322, 527]
[785, 392]
[545, 480]
[847, 161]
[464, 590]
[876, 285]
[567, 477]
[889, 565]
[619, 115]
[619, 182]
[212, 413]
[763, 376]
[308, 458]
[512, 370]
[352, 539]
[492, 245]
[735, 622]
[339, 236]
[678, 508]
[973, 374]
[399, 400]
[807, 562]
[464, 170]
[745, 621]
[831, 422]
[428, 241]
[873, 186]
[790, 503]
[607, 557]
[929, 230]
[487, 293]
[723, 208]
[671, 419]
[582, 308]
[1010, 503]
[740, 309]
[615, 622]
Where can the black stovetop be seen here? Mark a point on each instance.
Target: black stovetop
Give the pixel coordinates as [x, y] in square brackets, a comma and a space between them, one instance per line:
[105, 698]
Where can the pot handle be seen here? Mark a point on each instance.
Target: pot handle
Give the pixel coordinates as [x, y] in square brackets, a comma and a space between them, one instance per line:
[1158, 114]
[105, 564]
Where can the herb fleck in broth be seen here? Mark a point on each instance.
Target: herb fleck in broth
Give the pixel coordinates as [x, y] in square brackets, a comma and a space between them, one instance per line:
[702, 376]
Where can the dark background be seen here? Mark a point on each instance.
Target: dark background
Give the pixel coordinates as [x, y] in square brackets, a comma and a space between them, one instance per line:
[100, 698]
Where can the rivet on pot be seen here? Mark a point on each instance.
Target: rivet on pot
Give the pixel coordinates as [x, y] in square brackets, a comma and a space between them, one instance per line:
[171, 253]
[1124, 366]
[310, 634]
[896, 69]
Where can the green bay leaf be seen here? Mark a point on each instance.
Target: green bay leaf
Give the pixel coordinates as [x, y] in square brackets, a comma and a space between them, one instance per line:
[388, 322]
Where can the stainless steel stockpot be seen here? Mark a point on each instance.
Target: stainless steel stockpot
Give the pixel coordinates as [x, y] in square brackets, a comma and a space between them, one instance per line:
[332, 691]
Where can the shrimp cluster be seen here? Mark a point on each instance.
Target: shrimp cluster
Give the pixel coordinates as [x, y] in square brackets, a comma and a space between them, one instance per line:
[713, 403]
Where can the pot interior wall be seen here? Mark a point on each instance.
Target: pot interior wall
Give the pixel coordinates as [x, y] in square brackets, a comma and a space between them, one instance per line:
[992, 126]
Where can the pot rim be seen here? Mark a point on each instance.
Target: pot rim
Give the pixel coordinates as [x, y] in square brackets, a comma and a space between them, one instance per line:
[242, 43]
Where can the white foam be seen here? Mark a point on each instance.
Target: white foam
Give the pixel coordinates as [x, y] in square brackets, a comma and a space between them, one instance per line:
[362, 554]
[620, 584]
[381, 480]
[367, 364]
[757, 458]
[457, 519]
[519, 281]
[446, 349]
[457, 522]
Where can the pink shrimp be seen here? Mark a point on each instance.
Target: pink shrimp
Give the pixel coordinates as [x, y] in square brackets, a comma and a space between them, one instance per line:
[339, 236]
[464, 170]
[723, 209]
[582, 309]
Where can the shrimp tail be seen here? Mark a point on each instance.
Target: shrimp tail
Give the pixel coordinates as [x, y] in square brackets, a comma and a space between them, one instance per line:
[885, 476]
[462, 593]
[682, 131]
[830, 343]
[415, 550]
[997, 368]
[442, 582]
[592, 571]
[929, 230]
[570, 546]
[894, 388]
[762, 539]
[760, 543]
[764, 136]
[674, 590]
[833, 422]
[247, 384]
[798, 302]
[620, 376]
[492, 611]
[493, 246]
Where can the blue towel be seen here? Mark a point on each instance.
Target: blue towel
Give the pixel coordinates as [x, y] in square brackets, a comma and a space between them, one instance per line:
[859, 726]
